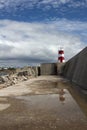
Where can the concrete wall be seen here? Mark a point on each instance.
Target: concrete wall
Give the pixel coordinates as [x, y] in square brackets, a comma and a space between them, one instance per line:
[60, 68]
[76, 69]
[48, 69]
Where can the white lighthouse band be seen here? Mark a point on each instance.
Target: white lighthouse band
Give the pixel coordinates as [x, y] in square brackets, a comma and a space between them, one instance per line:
[61, 55]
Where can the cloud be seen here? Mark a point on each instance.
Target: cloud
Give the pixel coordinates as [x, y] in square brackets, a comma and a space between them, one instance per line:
[31, 10]
[39, 42]
[70, 3]
[15, 4]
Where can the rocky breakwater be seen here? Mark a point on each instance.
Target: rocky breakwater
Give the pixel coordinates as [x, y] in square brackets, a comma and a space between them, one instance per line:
[12, 76]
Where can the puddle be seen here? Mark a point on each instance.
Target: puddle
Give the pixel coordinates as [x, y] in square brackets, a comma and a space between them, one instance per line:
[61, 106]
[52, 87]
[43, 112]
[4, 106]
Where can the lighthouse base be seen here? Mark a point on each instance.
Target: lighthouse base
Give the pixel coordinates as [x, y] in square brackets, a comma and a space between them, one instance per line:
[60, 68]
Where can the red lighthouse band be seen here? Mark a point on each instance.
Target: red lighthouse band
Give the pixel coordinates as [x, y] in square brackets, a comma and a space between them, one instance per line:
[61, 58]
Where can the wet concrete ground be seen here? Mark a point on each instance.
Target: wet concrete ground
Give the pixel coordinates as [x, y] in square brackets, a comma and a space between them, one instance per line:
[49, 107]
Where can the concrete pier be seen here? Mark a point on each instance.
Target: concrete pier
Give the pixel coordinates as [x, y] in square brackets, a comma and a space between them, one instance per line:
[76, 69]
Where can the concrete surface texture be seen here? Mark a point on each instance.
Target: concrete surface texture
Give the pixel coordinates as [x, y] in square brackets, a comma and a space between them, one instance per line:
[42, 103]
[31, 86]
[76, 69]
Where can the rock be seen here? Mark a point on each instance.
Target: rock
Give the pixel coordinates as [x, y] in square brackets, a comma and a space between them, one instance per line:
[20, 74]
[2, 80]
[23, 73]
[24, 78]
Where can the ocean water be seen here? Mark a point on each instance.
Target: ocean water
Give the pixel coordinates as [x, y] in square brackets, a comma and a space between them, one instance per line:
[16, 63]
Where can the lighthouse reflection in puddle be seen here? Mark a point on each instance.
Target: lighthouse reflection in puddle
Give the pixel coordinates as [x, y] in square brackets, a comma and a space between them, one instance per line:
[62, 96]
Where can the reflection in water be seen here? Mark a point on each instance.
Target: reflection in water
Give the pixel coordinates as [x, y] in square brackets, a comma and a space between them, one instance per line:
[61, 91]
[62, 98]
[61, 95]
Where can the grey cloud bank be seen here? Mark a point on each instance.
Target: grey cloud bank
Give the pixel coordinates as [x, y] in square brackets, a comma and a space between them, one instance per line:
[33, 43]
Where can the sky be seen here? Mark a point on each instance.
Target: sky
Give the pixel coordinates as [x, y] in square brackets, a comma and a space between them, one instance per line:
[32, 31]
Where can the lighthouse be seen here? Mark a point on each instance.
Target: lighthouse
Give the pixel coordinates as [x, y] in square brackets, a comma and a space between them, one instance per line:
[61, 58]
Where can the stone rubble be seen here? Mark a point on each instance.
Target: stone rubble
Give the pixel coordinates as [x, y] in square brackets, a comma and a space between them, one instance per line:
[21, 74]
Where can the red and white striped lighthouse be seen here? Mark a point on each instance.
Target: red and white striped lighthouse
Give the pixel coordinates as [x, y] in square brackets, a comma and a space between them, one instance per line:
[61, 58]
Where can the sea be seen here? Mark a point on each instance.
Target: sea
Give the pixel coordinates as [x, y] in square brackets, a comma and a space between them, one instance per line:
[16, 63]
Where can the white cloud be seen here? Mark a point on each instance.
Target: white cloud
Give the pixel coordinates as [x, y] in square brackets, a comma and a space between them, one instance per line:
[40, 41]
[71, 3]
[14, 4]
